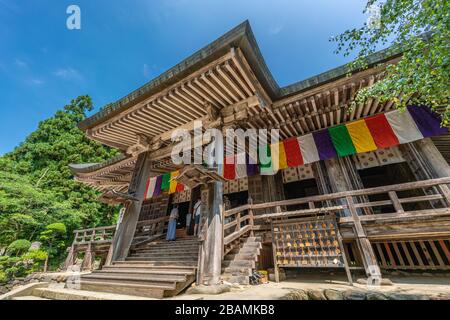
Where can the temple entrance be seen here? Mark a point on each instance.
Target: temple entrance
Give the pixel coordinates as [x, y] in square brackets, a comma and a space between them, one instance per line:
[234, 200]
[390, 174]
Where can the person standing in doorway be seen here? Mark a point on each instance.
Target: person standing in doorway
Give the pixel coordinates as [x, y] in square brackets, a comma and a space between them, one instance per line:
[188, 221]
[197, 215]
[172, 229]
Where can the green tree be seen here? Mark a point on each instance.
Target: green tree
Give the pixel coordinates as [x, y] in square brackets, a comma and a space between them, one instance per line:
[54, 237]
[37, 188]
[418, 28]
[46, 153]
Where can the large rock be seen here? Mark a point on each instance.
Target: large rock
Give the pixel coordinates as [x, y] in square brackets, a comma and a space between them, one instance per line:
[373, 295]
[331, 294]
[383, 282]
[217, 289]
[35, 246]
[405, 296]
[296, 295]
[354, 294]
[316, 294]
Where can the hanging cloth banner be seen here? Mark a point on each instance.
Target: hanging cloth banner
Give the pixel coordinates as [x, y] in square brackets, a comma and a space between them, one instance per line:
[381, 132]
[293, 152]
[369, 134]
[361, 137]
[173, 182]
[324, 145]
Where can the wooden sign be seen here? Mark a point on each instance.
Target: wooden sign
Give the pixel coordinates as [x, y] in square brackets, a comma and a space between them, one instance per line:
[312, 242]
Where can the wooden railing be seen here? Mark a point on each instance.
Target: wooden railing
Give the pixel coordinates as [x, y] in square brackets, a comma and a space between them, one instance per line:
[149, 230]
[237, 223]
[91, 242]
[100, 234]
[391, 203]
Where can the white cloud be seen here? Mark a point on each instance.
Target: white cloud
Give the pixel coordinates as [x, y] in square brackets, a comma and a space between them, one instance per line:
[149, 71]
[275, 30]
[68, 74]
[20, 63]
[35, 81]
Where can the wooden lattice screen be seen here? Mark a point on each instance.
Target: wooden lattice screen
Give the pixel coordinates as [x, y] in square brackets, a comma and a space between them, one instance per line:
[413, 254]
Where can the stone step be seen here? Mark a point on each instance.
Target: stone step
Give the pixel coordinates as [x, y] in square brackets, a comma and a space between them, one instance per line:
[251, 245]
[163, 263]
[254, 239]
[144, 271]
[73, 294]
[240, 279]
[242, 256]
[143, 265]
[170, 243]
[29, 298]
[167, 251]
[237, 271]
[163, 258]
[245, 250]
[167, 280]
[239, 263]
[153, 291]
[165, 254]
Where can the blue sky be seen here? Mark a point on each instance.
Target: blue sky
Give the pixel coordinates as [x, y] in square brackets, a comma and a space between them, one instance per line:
[123, 44]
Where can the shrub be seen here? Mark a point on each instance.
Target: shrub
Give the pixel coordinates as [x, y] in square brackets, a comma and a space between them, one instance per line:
[13, 267]
[18, 247]
[57, 228]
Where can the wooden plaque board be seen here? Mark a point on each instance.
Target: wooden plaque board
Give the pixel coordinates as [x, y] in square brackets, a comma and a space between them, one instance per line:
[313, 242]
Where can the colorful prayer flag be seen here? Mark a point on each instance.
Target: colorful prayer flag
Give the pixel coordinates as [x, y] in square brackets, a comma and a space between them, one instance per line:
[324, 145]
[361, 137]
[342, 141]
[428, 122]
[404, 126]
[173, 182]
[308, 149]
[293, 153]
[381, 131]
[229, 168]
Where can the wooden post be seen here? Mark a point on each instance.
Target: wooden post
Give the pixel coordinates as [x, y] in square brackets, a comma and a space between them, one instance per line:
[125, 233]
[214, 237]
[70, 258]
[435, 161]
[367, 253]
[88, 257]
[274, 254]
[395, 202]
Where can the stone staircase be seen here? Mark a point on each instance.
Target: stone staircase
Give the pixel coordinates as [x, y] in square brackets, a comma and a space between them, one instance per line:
[240, 262]
[156, 270]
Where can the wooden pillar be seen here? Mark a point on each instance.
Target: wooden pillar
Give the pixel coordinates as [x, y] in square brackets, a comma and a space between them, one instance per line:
[71, 257]
[88, 260]
[125, 233]
[337, 178]
[341, 175]
[214, 238]
[434, 160]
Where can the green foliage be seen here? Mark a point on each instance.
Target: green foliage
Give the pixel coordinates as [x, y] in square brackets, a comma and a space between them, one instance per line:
[18, 247]
[54, 237]
[13, 267]
[57, 228]
[39, 198]
[421, 30]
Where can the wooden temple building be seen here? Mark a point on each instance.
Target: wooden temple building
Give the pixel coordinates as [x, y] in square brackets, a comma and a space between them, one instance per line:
[387, 208]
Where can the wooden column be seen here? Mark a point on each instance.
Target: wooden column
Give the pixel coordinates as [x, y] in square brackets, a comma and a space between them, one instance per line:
[337, 178]
[125, 233]
[434, 160]
[341, 176]
[214, 238]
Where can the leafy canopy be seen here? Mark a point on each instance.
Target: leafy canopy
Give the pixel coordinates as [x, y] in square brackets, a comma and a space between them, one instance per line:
[38, 195]
[420, 29]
